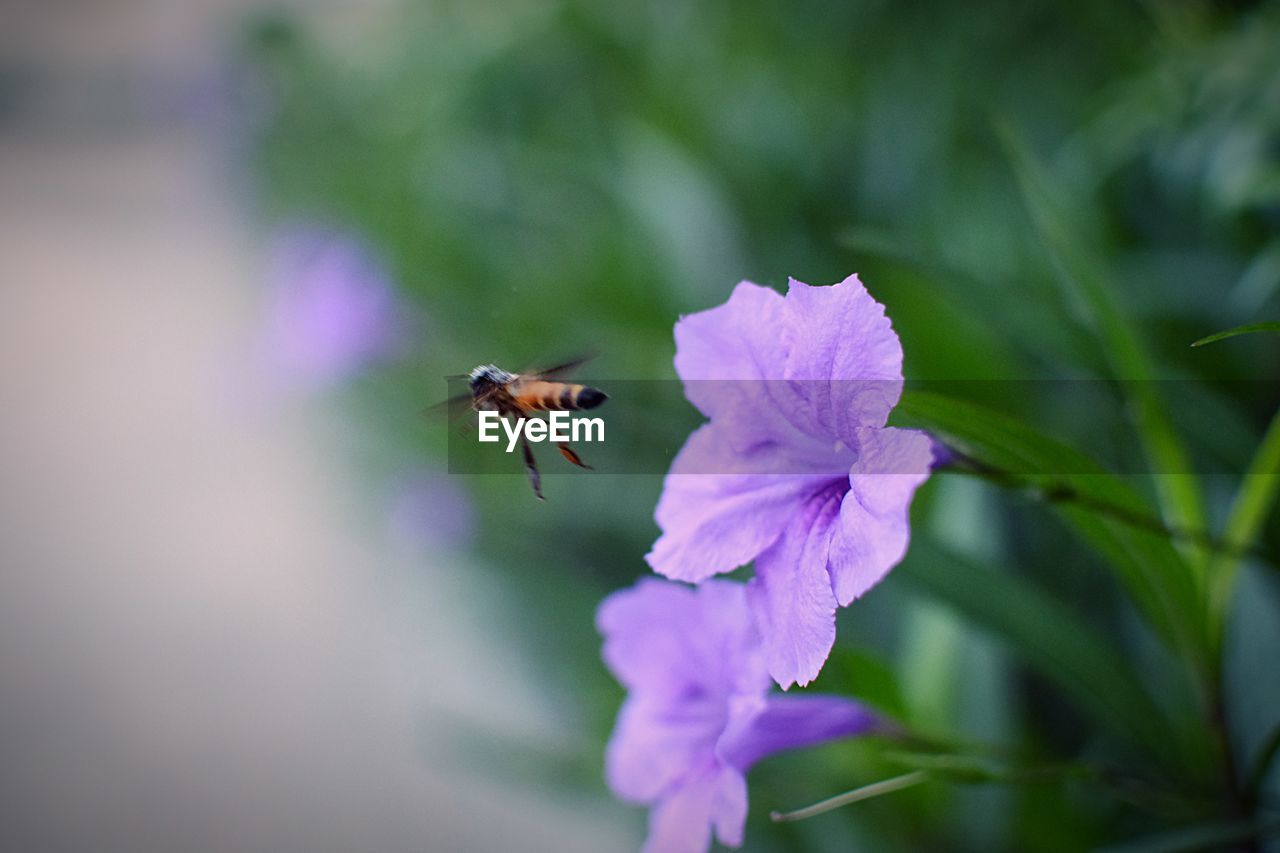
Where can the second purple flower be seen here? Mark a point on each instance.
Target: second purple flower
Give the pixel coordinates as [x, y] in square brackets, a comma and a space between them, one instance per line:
[699, 713]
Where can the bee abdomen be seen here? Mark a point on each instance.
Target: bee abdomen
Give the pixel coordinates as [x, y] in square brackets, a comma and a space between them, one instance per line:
[570, 398]
[589, 398]
[561, 396]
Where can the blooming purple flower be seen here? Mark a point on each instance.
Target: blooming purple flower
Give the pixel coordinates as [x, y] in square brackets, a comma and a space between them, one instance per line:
[333, 308]
[699, 713]
[795, 469]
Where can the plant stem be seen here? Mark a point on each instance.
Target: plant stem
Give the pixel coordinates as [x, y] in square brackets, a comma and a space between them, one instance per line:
[1235, 799]
[866, 792]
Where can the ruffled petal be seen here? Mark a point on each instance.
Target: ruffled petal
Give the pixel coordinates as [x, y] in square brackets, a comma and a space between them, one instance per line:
[793, 722]
[720, 508]
[874, 528]
[738, 340]
[730, 360]
[791, 596]
[844, 358]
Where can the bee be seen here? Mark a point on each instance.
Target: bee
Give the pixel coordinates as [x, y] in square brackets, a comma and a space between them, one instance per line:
[519, 395]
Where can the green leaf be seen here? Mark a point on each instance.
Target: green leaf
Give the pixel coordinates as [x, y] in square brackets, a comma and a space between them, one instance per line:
[1047, 637]
[1262, 763]
[968, 769]
[1238, 330]
[1220, 835]
[958, 768]
[1249, 510]
[1092, 290]
[1105, 511]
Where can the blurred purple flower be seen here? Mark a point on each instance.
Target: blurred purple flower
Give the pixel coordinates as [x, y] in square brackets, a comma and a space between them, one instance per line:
[432, 510]
[796, 469]
[699, 714]
[333, 308]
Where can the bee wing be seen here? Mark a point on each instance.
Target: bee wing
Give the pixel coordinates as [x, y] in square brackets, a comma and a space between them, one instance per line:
[441, 411]
[563, 368]
[446, 406]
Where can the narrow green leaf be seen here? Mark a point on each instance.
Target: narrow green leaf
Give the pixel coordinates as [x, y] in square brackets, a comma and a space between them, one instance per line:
[1262, 763]
[959, 768]
[1238, 330]
[1089, 286]
[1101, 508]
[1047, 637]
[1204, 836]
[1249, 510]
[978, 769]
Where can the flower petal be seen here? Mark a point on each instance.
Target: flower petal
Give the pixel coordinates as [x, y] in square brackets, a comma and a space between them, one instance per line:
[669, 641]
[730, 359]
[656, 743]
[729, 807]
[844, 357]
[681, 821]
[793, 722]
[874, 528]
[715, 520]
[735, 341]
[791, 595]
[643, 631]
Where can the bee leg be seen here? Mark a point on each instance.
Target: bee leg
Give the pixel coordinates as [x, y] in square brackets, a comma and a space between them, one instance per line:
[568, 453]
[531, 465]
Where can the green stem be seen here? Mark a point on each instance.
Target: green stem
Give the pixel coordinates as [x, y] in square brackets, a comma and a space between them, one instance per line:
[866, 792]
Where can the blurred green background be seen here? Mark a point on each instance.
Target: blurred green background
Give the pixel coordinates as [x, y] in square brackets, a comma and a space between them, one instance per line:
[545, 178]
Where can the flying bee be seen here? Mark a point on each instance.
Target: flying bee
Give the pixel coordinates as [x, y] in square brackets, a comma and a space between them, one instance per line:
[519, 395]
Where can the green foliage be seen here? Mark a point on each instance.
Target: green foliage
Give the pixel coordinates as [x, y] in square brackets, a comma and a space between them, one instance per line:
[1049, 638]
[1248, 512]
[554, 176]
[1090, 288]
[1103, 509]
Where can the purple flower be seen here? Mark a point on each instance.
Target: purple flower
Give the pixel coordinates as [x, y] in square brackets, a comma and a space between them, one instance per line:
[796, 469]
[699, 713]
[333, 308]
[431, 510]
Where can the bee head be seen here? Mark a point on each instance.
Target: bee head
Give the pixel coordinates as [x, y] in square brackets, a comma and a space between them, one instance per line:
[486, 377]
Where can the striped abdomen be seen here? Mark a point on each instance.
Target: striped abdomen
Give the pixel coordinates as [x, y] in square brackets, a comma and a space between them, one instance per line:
[540, 395]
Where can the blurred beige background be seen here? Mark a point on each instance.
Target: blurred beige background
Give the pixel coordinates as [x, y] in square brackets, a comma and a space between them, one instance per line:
[202, 646]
